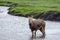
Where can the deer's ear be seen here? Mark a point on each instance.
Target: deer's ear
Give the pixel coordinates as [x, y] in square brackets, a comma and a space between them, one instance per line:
[32, 16]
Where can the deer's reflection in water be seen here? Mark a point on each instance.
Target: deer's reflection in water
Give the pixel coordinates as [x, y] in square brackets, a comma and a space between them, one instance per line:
[38, 38]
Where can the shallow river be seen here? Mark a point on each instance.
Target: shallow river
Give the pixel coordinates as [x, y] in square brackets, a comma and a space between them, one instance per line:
[17, 28]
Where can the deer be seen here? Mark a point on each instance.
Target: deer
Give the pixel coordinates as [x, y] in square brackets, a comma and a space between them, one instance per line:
[37, 24]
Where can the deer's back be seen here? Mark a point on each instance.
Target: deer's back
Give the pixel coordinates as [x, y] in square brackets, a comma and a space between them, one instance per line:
[36, 24]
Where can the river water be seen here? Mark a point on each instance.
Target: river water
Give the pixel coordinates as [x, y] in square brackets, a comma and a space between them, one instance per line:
[17, 28]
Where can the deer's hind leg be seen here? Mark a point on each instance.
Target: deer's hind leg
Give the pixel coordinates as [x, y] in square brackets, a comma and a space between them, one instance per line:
[42, 29]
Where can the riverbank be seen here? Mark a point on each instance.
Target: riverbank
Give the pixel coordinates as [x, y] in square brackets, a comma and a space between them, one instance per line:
[47, 10]
[50, 15]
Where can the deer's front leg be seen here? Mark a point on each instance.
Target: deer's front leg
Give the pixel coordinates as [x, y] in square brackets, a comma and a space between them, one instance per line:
[35, 33]
[32, 34]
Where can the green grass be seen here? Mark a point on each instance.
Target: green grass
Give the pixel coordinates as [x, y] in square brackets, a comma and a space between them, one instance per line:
[27, 6]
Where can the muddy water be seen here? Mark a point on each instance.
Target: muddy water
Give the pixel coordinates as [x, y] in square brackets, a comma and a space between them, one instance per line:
[17, 28]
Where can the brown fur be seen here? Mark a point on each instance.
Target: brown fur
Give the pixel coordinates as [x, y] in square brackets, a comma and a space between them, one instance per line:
[35, 25]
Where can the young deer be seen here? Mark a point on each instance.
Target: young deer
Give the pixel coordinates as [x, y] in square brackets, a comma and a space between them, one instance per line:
[35, 25]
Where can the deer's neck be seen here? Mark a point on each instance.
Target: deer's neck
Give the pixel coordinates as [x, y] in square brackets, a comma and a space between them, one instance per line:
[30, 20]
